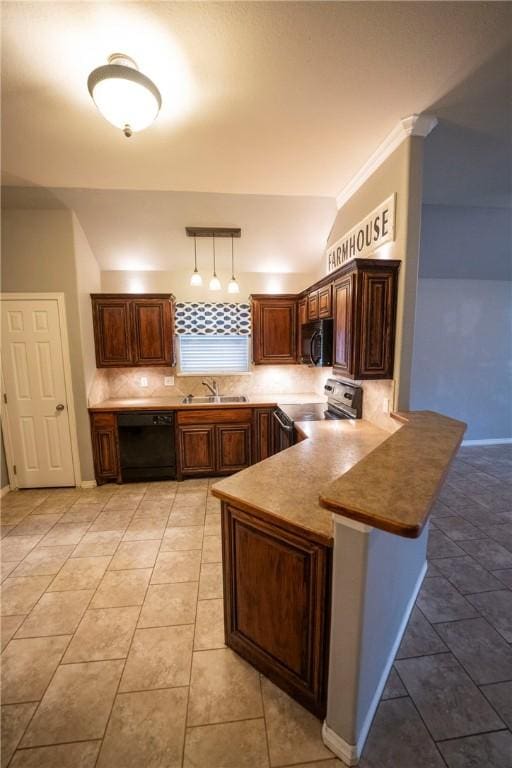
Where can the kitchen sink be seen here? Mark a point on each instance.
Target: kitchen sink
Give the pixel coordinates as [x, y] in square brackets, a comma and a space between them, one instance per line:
[193, 400]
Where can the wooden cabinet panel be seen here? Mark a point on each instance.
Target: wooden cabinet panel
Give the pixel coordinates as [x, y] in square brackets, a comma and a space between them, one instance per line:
[133, 329]
[274, 334]
[313, 306]
[325, 302]
[105, 447]
[215, 416]
[112, 332]
[302, 317]
[276, 590]
[233, 447]
[153, 338]
[196, 449]
[378, 302]
[262, 441]
[343, 325]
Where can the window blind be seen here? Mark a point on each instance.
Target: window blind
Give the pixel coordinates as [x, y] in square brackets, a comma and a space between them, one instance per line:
[214, 354]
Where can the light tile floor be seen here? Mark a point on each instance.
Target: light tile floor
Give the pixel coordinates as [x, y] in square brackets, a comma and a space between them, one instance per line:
[113, 652]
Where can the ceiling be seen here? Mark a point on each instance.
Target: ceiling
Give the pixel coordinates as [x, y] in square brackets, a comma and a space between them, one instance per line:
[259, 98]
[137, 230]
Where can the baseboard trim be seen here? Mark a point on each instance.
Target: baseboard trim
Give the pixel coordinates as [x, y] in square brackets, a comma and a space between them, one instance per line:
[351, 753]
[491, 441]
[4, 490]
[88, 484]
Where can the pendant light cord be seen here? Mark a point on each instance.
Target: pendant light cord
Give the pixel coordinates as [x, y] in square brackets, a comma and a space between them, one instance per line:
[214, 268]
[195, 254]
[232, 260]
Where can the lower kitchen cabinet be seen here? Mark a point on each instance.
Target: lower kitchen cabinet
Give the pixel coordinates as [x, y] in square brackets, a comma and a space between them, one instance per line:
[214, 441]
[105, 447]
[262, 426]
[196, 449]
[277, 603]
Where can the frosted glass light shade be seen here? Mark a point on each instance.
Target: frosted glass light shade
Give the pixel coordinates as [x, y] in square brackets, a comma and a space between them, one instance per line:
[196, 278]
[214, 284]
[233, 286]
[124, 96]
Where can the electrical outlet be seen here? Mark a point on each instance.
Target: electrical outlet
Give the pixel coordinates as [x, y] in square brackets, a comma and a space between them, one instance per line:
[168, 381]
[143, 381]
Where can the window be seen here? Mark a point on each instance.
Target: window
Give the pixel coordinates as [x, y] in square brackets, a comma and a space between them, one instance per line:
[214, 354]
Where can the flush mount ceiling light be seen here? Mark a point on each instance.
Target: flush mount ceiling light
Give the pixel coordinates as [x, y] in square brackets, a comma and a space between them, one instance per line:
[124, 96]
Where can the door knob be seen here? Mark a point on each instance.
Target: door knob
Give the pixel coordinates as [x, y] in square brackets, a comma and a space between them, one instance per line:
[60, 407]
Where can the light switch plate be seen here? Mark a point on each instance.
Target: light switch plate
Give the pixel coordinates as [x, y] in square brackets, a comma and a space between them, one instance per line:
[143, 381]
[168, 381]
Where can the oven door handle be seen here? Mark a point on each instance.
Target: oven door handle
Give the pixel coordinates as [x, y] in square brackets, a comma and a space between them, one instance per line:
[284, 426]
[311, 343]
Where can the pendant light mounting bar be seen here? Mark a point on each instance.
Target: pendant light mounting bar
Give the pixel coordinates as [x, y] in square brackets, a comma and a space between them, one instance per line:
[213, 231]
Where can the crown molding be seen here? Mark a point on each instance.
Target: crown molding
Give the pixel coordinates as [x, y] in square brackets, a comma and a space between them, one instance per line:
[413, 125]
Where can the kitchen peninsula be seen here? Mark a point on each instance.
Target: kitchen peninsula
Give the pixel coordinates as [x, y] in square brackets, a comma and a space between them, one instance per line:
[336, 529]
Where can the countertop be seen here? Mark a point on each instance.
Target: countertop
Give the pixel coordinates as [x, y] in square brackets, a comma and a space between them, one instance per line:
[176, 403]
[353, 468]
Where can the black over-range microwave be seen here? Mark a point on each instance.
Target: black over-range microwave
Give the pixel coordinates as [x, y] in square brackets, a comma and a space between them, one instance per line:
[316, 343]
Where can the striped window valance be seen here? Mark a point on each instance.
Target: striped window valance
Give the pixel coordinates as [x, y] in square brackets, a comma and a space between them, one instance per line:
[197, 318]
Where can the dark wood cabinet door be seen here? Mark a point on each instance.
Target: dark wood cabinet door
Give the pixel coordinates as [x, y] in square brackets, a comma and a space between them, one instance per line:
[196, 449]
[377, 316]
[105, 447]
[274, 330]
[313, 306]
[276, 590]
[262, 441]
[325, 302]
[112, 332]
[343, 325]
[302, 317]
[233, 447]
[152, 331]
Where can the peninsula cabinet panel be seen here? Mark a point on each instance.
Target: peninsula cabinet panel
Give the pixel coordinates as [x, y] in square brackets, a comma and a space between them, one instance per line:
[153, 338]
[274, 329]
[276, 603]
[233, 447]
[133, 329]
[196, 449]
[105, 447]
[112, 332]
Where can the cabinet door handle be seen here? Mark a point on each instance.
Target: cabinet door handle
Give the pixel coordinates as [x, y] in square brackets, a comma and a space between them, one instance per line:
[59, 407]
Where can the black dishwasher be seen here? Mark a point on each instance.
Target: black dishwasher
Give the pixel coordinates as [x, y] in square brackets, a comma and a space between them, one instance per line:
[146, 445]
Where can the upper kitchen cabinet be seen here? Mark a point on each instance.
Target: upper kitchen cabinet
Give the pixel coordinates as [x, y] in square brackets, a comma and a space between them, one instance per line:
[133, 329]
[320, 303]
[274, 329]
[364, 299]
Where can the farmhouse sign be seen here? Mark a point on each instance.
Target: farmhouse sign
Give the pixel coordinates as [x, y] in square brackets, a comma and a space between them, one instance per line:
[362, 240]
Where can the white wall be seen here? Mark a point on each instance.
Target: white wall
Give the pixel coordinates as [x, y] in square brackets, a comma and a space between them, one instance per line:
[463, 334]
[88, 280]
[463, 354]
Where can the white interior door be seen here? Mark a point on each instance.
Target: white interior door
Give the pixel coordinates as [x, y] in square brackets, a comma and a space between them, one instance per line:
[35, 386]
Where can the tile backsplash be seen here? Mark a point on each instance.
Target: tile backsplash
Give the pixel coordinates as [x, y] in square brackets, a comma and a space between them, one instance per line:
[266, 379]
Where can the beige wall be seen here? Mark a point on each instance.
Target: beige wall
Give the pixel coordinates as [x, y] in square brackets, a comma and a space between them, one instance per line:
[38, 255]
[400, 173]
[178, 283]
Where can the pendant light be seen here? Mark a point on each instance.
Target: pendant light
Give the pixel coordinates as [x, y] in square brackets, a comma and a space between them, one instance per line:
[124, 96]
[196, 278]
[214, 282]
[233, 286]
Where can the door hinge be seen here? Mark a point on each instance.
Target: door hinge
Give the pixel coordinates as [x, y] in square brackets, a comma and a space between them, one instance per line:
[14, 468]
[5, 398]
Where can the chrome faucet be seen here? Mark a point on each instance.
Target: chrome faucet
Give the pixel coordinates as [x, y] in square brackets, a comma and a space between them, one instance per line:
[213, 387]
